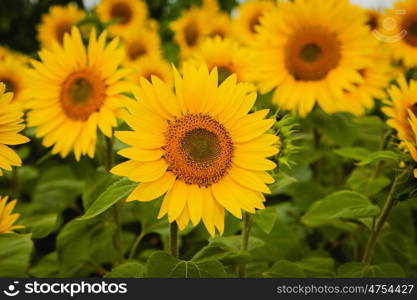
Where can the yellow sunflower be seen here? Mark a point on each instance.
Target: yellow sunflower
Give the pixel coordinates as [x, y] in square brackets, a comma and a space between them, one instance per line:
[374, 19]
[189, 30]
[219, 24]
[151, 66]
[199, 147]
[125, 15]
[399, 31]
[13, 74]
[248, 18]
[6, 53]
[376, 78]
[402, 112]
[312, 50]
[74, 90]
[58, 21]
[7, 217]
[227, 55]
[140, 44]
[11, 123]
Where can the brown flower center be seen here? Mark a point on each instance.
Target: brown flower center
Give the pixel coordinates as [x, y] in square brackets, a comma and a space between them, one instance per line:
[82, 94]
[136, 50]
[312, 53]
[198, 149]
[121, 11]
[10, 85]
[60, 31]
[254, 21]
[191, 34]
[410, 26]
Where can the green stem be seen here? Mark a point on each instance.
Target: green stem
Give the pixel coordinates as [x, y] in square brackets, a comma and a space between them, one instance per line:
[247, 224]
[379, 222]
[174, 239]
[118, 237]
[135, 245]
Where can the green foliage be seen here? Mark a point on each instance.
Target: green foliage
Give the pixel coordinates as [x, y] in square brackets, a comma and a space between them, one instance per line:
[127, 270]
[15, 251]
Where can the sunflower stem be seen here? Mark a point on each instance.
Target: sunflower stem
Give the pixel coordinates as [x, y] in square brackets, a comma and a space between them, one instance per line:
[136, 243]
[379, 222]
[247, 225]
[174, 239]
[108, 162]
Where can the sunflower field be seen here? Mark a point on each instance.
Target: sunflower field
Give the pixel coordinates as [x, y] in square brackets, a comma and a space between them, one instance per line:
[205, 138]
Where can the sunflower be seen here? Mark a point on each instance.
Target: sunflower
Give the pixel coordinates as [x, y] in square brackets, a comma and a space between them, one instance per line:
[227, 55]
[312, 50]
[11, 123]
[219, 24]
[402, 112]
[58, 21]
[375, 78]
[151, 66]
[7, 218]
[199, 147]
[125, 15]
[399, 31]
[248, 18]
[13, 74]
[190, 29]
[6, 53]
[140, 44]
[75, 90]
[374, 19]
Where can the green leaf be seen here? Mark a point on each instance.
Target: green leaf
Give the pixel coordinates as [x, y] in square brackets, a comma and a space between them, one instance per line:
[356, 153]
[317, 266]
[40, 226]
[147, 214]
[15, 250]
[127, 270]
[360, 270]
[285, 269]
[47, 267]
[380, 155]
[342, 205]
[162, 265]
[362, 181]
[113, 194]
[265, 219]
[95, 185]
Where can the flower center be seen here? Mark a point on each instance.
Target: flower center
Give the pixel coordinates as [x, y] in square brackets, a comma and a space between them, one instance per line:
[372, 21]
[254, 21]
[312, 53]
[121, 11]
[10, 85]
[191, 34]
[136, 50]
[82, 94]
[410, 26]
[198, 149]
[60, 31]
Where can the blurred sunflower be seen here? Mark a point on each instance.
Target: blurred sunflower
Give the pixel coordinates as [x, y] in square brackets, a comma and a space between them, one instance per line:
[148, 67]
[11, 123]
[140, 44]
[199, 147]
[402, 112]
[376, 78]
[309, 51]
[75, 90]
[248, 18]
[58, 21]
[226, 54]
[7, 218]
[189, 30]
[6, 53]
[13, 74]
[219, 24]
[374, 19]
[124, 15]
[400, 32]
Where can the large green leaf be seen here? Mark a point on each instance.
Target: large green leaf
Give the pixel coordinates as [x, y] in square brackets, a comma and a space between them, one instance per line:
[356, 153]
[317, 266]
[381, 155]
[265, 218]
[285, 269]
[40, 225]
[127, 270]
[15, 250]
[342, 205]
[162, 265]
[95, 185]
[116, 192]
[360, 270]
[46, 267]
